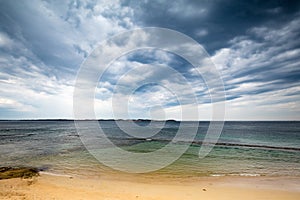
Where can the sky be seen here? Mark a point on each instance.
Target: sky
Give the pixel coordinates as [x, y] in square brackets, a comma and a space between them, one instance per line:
[254, 45]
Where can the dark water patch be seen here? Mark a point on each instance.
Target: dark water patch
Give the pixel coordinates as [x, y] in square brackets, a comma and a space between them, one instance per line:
[132, 141]
[259, 146]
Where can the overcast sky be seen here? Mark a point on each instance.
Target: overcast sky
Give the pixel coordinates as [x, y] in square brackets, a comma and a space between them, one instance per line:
[255, 46]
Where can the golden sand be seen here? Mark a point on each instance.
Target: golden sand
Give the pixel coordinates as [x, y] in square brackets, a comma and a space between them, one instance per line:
[48, 187]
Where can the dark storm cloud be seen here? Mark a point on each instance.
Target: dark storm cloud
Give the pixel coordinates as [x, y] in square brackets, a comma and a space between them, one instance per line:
[213, 23]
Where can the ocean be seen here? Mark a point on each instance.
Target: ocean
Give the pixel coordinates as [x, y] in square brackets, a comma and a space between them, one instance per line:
[251, 148]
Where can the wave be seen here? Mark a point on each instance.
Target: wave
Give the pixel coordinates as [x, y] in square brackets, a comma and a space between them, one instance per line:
[17, 135]
[217, 175]
[241, 174]
[54, 174]
[258, 146]
[252, 175]
[217, 144]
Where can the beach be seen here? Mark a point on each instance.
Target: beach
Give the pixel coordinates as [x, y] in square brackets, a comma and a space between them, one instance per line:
[252, 160]
[56, 187]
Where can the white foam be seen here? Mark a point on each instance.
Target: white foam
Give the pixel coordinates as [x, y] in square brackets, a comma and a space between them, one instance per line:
[249, 174]
[217, 175]
[54, 174]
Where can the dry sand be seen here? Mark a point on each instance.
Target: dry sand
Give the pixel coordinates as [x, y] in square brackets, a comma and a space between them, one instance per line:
[46, 187]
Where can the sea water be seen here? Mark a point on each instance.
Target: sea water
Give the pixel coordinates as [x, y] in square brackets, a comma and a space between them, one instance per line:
[243, 149]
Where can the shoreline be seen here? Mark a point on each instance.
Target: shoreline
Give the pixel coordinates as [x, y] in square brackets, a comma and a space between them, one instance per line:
[47, 186]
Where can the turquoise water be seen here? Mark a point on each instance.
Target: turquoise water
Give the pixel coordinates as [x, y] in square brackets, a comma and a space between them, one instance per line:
[244, 148]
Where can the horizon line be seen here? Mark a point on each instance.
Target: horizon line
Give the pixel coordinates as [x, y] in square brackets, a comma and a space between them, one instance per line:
[141, 119]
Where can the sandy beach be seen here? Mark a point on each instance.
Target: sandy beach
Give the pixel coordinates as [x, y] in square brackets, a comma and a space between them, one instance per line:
[48, 187]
